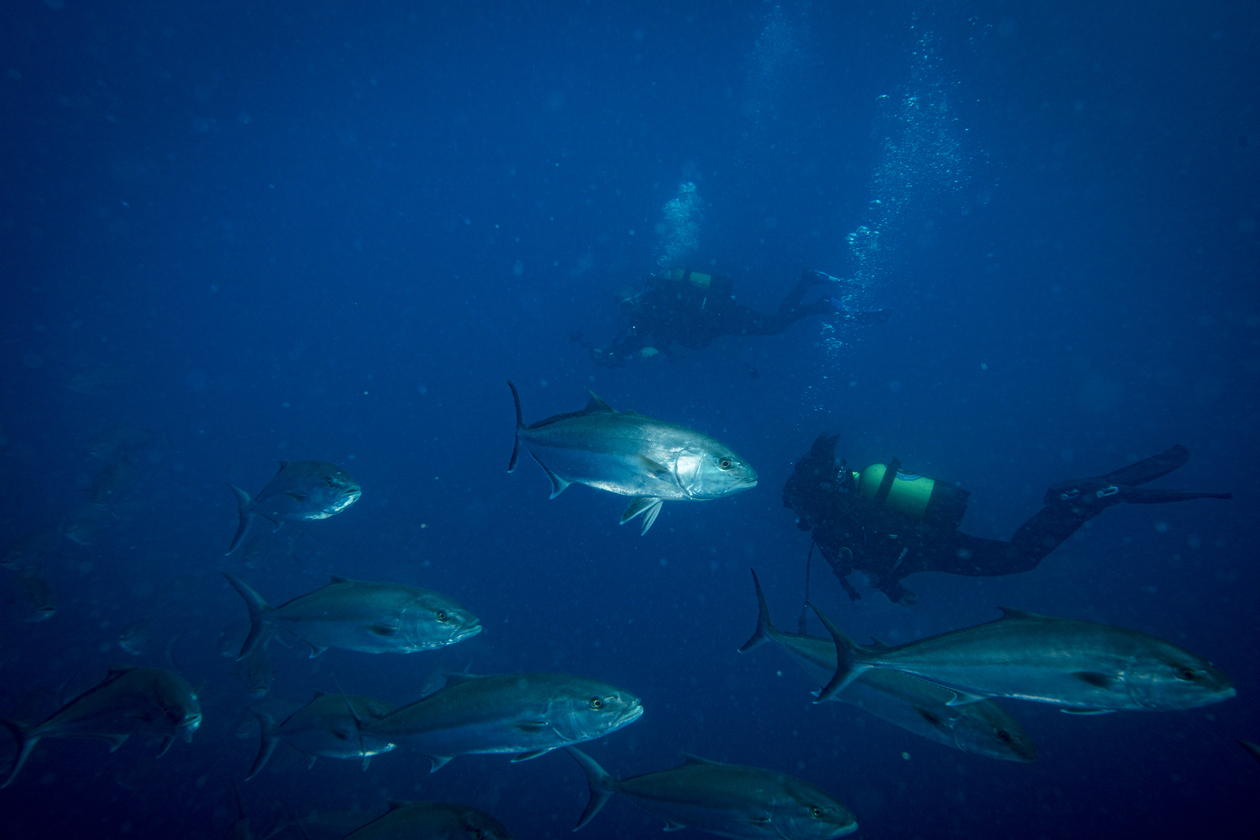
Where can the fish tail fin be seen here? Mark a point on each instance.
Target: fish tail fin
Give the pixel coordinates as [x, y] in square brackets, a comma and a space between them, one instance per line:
[601, 783]
[245, 509]
[520, 424]
[25, 744]
[765, 629]
[261, 626]
[268, 741]
[849, 660]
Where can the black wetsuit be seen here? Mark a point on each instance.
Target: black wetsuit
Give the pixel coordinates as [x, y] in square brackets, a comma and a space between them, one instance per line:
[691, 314]
[853, 531]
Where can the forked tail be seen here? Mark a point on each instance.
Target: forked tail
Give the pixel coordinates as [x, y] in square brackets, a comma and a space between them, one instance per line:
[765, 629]
[245, 510]
[601, 784]
[261, 625]
[520, 424]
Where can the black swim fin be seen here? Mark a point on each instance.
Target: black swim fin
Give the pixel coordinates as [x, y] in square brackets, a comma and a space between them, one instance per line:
[1148, 469]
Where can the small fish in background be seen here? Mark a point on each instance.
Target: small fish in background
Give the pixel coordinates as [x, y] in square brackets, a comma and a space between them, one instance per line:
[111, 482]
[28, 550]
[264, 549]
[1252, 748]
[125, 442]
[100, 379]
[232, 637]
[83, 527]
[729, 800]
[137, 637]
[328, 726]
[328, 825]
[446, 820]
[301, 491]
[359, 615]
[129, 701]
[256, 669]
[37, 597]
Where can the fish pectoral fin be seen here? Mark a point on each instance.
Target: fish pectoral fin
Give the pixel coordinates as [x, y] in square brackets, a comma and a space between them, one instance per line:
[526, 756]
[1097, 680]
[648, 506]
[654, 468]
[558, 484]
[531, 726]
[670, 825]
[382, 630]
[316, 650]
[690, 760]
[166, 745]
[932, 719]
[1087, 711]
[294, 494]
[439, 761]
[964, 698]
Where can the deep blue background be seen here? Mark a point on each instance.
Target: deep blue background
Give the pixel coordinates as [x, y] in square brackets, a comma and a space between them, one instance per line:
[331, 230]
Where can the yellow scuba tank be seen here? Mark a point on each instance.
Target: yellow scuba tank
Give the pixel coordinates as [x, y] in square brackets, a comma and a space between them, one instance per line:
[913, 496]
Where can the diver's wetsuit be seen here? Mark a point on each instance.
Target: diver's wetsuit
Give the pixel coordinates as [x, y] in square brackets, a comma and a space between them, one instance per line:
[853, 531]
[691, 309]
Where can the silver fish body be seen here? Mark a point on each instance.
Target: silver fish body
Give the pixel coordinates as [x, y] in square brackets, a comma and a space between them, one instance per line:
[631, 455]
[129, 701]
[257, 671]
[437, 820]
[28, 551]
[982, 728]
[360, 615]
[728, 800]
[301, 491]
[525, 714]
[38, 603]
[1081, 666]
[325, 727]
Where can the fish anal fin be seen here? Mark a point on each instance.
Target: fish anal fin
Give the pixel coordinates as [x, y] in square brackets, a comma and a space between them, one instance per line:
[1097, 680]
[558, 484]
[526, 756]
[166, 745]
[338, 579]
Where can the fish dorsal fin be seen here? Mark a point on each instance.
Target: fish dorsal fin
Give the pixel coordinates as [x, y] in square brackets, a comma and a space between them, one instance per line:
[395, 804]
[459, 679]
[319, 694]
[284, 464]
[877, 646]
[115, 670]
[1011, 612]
[1087, 712]
[690, 760]
[339, 579]
[597, 406]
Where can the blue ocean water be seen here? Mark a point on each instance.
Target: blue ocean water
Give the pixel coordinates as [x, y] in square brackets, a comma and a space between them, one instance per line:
[331, 230]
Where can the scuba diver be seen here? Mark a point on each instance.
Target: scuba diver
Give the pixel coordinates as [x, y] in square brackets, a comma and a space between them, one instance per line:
[691, 309]
[890, 524]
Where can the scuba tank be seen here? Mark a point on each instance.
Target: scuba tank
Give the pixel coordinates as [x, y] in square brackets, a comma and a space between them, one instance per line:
[915, 497]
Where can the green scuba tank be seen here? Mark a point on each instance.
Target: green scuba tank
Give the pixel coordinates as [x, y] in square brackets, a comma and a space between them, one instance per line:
[913, 496]
[686, 275]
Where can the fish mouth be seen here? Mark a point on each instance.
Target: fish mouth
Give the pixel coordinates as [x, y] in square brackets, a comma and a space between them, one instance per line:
[630, 715]
[469, 630]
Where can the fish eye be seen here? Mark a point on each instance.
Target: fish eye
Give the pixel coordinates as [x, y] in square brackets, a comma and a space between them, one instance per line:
[597, 702]
[441, 615]
[815, 812]
[1004, 736]
[724, 464]
[329, 481]
[1187, 674]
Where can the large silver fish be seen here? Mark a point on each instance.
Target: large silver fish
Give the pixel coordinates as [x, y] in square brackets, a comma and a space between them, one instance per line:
[525, 714]
[359, 615]
[630, 455]
[916, 705]
[128, 702]
[324, 727]
[28, 550]
[300, 491]
[1081, 666]
[728, 800]
[437, 820]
